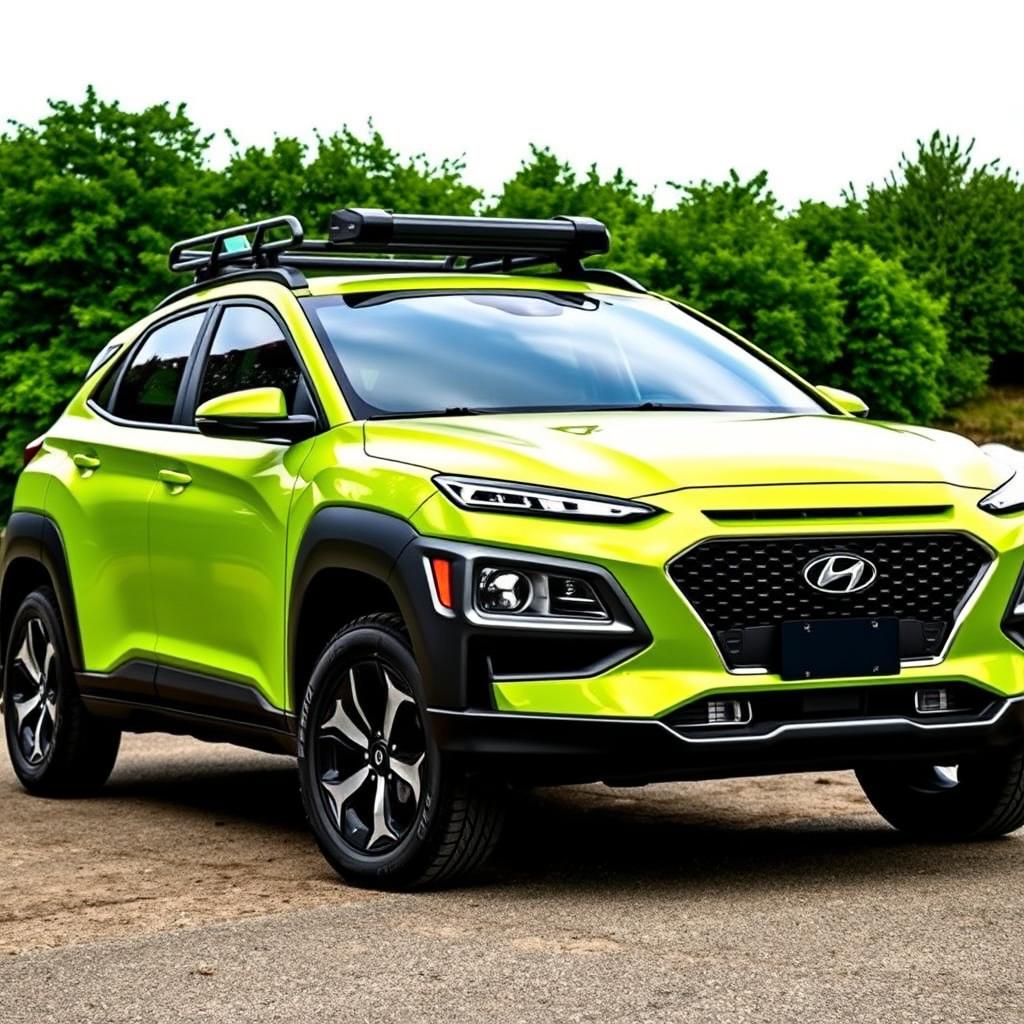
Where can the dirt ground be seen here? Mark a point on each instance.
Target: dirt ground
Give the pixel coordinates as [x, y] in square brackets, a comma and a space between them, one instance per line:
[189, 833]
[185, 833]
[190, 890]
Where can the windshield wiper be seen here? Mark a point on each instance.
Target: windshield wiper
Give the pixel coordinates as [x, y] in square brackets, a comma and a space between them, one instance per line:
[452, 410]
[671, 406]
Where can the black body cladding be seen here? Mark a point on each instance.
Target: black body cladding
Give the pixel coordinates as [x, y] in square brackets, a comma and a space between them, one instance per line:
[33, 543]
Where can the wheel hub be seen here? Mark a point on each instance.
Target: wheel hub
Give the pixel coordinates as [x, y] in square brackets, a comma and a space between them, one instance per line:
[379, 757]
[369, 756]
[34, 691]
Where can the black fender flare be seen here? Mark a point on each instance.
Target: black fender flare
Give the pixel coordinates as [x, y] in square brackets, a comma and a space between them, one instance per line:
[36, 537]
[356, 539]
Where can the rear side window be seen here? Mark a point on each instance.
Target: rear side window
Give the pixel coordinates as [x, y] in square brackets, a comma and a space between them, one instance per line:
[148, 388]
[249, 350]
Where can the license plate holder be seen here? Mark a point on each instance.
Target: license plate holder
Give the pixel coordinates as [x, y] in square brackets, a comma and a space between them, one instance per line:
[840, 648]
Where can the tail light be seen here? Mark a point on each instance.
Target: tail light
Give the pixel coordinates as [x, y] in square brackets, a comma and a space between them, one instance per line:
[33, 448]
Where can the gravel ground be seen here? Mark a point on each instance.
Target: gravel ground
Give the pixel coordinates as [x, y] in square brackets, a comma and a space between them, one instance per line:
[191, 891]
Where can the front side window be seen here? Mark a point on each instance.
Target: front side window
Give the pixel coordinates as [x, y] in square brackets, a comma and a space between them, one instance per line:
[249, 350]
[408, 353]
[148, 389]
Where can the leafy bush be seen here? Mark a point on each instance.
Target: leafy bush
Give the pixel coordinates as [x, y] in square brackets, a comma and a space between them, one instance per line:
[959, 228]
[725, 249]
[895, 343]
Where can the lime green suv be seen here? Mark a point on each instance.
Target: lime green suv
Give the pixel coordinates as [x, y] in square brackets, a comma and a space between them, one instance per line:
[440, 510]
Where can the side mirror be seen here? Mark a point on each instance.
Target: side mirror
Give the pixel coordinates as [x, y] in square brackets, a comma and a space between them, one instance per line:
[258, 414]
[846, 400]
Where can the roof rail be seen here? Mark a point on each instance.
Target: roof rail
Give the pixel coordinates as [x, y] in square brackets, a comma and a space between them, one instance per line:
[385, 240]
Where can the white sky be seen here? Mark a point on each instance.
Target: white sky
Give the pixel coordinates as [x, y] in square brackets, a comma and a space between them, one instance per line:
[819, 93]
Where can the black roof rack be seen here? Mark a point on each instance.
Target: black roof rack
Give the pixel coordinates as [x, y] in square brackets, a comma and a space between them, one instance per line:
[278, 249]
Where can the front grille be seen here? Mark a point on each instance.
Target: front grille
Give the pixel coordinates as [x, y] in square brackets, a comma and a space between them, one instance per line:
[743, 589]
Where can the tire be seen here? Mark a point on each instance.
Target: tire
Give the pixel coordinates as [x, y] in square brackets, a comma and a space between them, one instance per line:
[386, 810]
[56, 747]
[982, 799]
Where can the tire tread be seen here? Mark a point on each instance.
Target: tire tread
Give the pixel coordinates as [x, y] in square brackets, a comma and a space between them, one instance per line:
[471, 814]
[87, 747]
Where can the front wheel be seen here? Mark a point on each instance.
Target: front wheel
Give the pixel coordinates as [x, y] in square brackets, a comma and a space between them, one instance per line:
[980, 798]
[386, 810]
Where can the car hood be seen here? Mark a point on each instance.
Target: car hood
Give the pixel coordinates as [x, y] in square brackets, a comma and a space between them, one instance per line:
[638, 453]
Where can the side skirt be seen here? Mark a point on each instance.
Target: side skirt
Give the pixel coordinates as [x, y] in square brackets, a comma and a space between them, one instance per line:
[144, 697]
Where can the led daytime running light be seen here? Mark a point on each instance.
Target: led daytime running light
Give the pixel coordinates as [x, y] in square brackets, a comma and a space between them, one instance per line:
[495, 496]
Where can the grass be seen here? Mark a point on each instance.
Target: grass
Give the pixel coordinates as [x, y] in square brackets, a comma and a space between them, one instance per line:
[998, 416]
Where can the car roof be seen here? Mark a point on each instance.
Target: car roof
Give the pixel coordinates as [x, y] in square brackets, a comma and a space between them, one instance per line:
[340, 285]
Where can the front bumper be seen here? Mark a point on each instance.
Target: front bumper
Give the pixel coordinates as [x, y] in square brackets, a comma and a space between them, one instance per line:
[563, 749]
[614, 721]
[675, 659]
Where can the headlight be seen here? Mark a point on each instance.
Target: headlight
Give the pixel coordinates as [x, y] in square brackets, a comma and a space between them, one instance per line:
[1008, 497]
[495, 496]
[503, 591]
[529, 593]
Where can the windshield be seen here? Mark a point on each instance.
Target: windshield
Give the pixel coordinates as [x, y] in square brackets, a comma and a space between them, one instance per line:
[421, 353]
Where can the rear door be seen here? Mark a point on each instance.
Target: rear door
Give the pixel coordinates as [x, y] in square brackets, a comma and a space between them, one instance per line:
[218, 525]
[99, 498]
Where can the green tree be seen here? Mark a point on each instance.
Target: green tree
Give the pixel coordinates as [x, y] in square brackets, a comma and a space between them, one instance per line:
[818, 226]
[959, 227]
[544, 186]
[725, 248]
[905, 293]
[895, 342]
[342, 170]
[92, 198]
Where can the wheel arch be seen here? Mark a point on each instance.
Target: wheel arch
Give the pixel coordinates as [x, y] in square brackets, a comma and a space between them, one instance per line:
[33, 555]
[347, 557]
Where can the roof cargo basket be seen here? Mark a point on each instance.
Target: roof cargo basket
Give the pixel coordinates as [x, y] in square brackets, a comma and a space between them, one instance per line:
[278, 249]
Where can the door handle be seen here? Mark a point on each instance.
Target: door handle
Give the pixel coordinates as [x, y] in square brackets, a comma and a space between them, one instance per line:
[87, 463]
[174, 479]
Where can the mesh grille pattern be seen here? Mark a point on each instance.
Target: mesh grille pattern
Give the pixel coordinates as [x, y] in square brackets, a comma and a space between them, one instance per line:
[751, 582]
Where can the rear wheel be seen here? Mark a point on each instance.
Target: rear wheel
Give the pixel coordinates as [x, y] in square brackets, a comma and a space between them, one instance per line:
[386, 810]
[977, 799]
[56, 747]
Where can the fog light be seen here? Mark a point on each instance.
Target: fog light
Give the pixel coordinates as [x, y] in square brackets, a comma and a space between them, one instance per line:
[933, 701]
[726, 712]
[504, 591]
